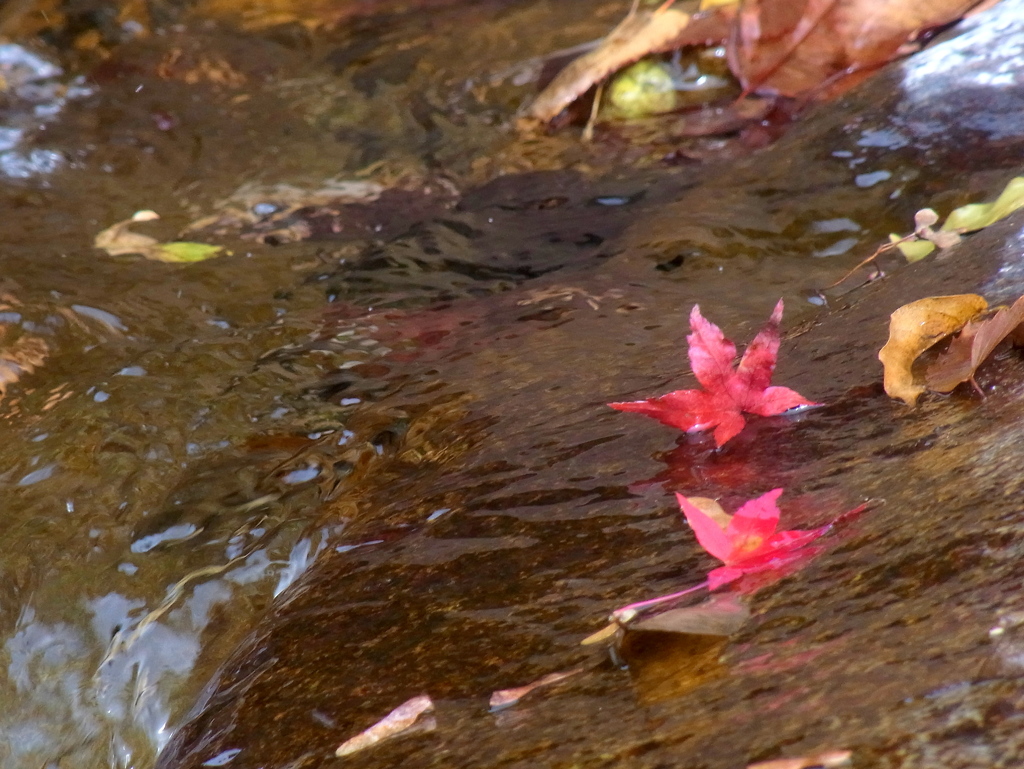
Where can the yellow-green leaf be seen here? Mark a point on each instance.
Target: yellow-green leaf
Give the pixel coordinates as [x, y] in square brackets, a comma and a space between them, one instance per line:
[183, 251]
[914, 250]
[977, 215]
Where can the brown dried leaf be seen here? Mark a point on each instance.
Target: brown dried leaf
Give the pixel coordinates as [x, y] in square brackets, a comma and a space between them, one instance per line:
[976, 342]
[401, 719]
[798, 47]
[915, 327]
[718, 616]
[827, 759]
[638, 35]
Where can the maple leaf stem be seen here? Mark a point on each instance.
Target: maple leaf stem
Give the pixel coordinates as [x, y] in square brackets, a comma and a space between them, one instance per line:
[627, 613]
[878, 252]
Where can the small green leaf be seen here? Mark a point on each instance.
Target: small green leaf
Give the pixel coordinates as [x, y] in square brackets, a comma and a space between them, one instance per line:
[913, 250]
[969, 218]
[184, 251]
[1010, 199]
[977, 215]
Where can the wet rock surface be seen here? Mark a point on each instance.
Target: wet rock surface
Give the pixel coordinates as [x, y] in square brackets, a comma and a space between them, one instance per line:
[510, 543]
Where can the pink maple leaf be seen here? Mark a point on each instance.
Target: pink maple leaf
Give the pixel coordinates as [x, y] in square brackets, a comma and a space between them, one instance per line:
[749, 543]
[728, 392]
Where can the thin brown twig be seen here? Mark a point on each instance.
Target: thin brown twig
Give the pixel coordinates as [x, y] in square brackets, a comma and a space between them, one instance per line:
[878, 252]
[588, 129]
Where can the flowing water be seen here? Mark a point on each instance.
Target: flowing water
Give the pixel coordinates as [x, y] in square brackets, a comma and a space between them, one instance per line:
[266, 498]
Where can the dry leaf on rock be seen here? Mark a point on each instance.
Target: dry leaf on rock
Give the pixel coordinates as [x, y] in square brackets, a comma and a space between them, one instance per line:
[826, 759]
[915, 327]
[969, 350]
[506, 697]
[400, 720]
[798, 47]
[720, 615]
[638, 35]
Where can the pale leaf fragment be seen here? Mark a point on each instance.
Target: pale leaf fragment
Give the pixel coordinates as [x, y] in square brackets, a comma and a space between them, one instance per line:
[915, 327]
[827, 759]
[506, 697]
[923, 221]
[401, 719]
[605, 633]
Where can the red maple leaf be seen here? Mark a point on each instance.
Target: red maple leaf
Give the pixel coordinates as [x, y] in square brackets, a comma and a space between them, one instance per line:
[749, 543]
[728, 391]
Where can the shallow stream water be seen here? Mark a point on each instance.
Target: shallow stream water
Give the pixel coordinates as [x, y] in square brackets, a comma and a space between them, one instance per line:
[266, 498]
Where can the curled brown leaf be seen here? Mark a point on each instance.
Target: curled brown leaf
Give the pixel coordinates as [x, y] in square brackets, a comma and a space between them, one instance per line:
[915, 327]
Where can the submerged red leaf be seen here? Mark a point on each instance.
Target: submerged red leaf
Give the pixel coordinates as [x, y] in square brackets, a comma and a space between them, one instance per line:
[727, 392]
[750, 542]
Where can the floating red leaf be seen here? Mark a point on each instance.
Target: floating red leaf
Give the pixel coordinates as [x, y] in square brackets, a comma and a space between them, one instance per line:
[727, 392]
